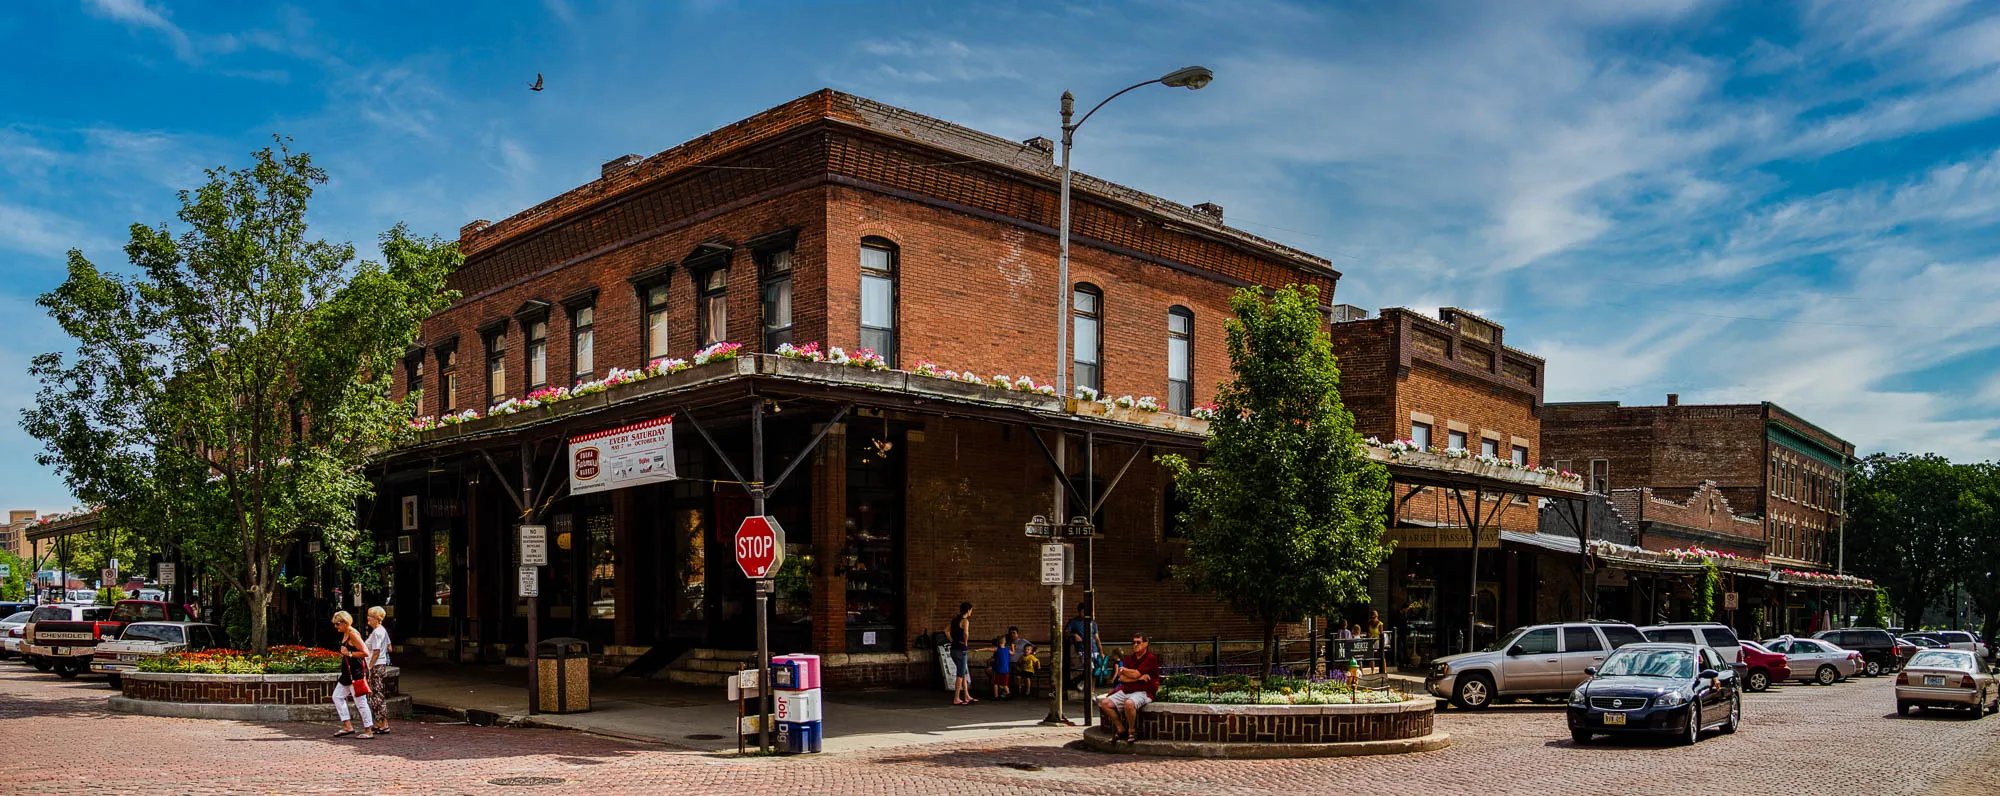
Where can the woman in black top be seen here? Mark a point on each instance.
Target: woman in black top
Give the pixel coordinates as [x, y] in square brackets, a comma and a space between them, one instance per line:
[353, 666]
[961, 631]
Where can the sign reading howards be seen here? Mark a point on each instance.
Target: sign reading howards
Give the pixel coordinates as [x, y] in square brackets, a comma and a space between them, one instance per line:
[641, 453]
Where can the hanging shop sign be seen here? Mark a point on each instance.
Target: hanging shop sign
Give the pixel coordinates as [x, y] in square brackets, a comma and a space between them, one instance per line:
[1441, 538]
[641, 453]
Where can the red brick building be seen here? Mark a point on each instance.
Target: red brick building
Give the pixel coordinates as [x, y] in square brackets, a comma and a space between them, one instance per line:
[1451, 383]
[830, 219]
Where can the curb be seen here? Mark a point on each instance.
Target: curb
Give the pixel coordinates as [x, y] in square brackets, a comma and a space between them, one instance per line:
[1099, 739]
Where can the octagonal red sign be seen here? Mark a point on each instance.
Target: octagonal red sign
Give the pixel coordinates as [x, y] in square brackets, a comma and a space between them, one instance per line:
[760, 547]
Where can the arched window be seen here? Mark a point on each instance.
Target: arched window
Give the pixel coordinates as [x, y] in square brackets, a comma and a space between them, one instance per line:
[1087, 332]
[1180, 360]
[878, 297]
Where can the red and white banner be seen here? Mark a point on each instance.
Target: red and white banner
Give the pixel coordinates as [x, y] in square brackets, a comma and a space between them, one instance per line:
[641, 453]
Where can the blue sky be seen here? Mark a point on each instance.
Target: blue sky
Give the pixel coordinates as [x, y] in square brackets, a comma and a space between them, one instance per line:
[1732, 202]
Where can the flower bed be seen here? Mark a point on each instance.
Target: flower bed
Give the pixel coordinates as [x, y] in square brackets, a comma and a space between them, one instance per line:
[1194, 689]
[244, 696]
[280, 660]
[1236, 716]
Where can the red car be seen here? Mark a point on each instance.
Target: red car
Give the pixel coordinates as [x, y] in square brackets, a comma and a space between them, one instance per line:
[1762, 667]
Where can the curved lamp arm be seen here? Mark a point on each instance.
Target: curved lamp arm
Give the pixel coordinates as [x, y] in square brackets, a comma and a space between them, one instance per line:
[1086, 117]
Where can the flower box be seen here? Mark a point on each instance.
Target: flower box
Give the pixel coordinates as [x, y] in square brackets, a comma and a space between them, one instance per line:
[1471, 466]
[1136, 416]
[832, 372]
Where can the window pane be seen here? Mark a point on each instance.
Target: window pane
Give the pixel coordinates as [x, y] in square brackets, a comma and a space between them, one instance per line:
[586, 352]
[1455, 439]
[539, 330]
[874, 259]
[778, 304]
[1086, 340]
[656, 296]
[440, 573]
[656, 334]
[1538, 642]
[718, 279]
[496, 374]
[1087, 376]
[450, 396]
[586, 316]
[715, 321]
[1085, 301]
[1520, 456]
[1581, 639]
[1179, 323]
[1177, 358]
[781, 262]
[878, 302]
[882, 341]
[1490, 447]
[1420, 433]
[1180, 397]
[538, 362]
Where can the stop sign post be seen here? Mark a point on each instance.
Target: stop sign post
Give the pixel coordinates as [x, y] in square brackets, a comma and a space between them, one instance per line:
[760, 547]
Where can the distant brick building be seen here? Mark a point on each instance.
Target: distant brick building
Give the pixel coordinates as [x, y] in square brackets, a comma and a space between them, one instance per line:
[830, 219]
[14, 535]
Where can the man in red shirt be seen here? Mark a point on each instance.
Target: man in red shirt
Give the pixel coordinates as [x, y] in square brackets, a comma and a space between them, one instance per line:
[1138, 679]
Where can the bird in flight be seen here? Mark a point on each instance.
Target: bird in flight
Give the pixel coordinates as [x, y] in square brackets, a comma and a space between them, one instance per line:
[537, 85]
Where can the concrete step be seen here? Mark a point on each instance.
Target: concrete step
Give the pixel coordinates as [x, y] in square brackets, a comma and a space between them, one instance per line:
[708, 665]
[694, 678]
[711, 654]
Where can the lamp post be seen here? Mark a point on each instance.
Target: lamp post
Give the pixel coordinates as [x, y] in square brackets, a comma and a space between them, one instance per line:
[1191, 78]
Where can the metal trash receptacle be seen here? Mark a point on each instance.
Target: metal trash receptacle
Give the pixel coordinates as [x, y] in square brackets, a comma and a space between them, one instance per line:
[562, 675]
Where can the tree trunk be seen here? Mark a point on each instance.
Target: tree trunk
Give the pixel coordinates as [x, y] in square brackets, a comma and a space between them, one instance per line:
[260, 623]
[1912, 608]
[1270, 646]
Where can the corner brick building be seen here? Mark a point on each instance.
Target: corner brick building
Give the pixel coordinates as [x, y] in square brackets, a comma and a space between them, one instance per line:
[1703, 475]
[830, 219]
[1451, 382]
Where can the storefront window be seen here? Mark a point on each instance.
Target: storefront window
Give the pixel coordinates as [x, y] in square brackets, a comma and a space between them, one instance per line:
[688, 525]
[603, 569]
[440, 573]
[874, 525]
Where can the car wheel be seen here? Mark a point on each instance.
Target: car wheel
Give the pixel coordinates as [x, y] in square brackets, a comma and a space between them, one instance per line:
[1693, 734]
[1735, 715]
[1827, 675]
[117, 683]
[1474, 692]
[1904, 708]
[1873, 667]
[1757, 681]
[66, 671]
[1579, 737]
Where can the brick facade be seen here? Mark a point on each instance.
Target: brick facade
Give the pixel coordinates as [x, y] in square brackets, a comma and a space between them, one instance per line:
[1766, 463]
[1703, 519]
[244, 689]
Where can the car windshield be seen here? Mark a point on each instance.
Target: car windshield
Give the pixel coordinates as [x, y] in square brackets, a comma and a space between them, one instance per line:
[1629, 662]
[1941, 659]
[166, 633]
[1506, 640]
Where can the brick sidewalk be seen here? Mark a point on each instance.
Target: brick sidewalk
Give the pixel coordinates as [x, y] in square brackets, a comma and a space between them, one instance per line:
[1797, 739]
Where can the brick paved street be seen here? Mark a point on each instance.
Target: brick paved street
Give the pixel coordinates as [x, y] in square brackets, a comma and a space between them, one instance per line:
[1802, 739]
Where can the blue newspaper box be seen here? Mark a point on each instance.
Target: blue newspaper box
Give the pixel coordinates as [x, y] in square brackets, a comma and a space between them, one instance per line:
[798, 737]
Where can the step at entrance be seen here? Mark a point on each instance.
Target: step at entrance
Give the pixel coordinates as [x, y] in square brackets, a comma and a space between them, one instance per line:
[706, 667]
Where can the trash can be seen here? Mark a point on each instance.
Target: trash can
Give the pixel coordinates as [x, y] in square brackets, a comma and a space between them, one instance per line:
[562, 675]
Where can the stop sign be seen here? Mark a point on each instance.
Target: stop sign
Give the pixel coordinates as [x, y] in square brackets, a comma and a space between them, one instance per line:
[760, 547]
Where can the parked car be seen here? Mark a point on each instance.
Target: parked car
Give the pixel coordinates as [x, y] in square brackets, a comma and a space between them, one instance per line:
[1947, 679]
[1880, 651]
[1925, 643]
[142, 640]
[10, 608]
[68, 642]
[1954, 639]
[1761, 666]
[1816, 661]
[1701, 634]
[1540, 660]
[1677, 689]
[10, 633]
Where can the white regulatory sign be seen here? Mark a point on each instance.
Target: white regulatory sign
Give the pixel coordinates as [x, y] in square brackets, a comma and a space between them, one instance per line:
[1055, 565]
[534, 545]
[531, 582]
[167, 573]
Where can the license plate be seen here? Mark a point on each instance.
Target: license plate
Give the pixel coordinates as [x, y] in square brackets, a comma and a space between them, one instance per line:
[127, 657]
[59, 651]
[1934, 680]
[1614, 719]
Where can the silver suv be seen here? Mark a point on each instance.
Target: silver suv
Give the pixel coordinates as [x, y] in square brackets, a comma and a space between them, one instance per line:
[1539, 660]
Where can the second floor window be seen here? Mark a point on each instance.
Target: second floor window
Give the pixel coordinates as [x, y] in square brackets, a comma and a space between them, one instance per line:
[1420, 433]
[1520, 456]
[496, 368]
[878, 298]
[1087, 327]
[583, 343]
[447, 380]
[413, 377]
[1489, 447]
[1180, 360]
[538, 354]
[1600, 476]
[777, 299]
[1454, 439]
[712, 319]
[656, 322]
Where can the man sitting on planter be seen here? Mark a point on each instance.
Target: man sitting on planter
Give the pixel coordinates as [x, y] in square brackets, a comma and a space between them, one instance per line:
[1137, 679]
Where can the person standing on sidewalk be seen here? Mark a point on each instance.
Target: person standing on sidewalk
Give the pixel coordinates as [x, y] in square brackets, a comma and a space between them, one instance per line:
[378, 662]
[353, 666]
[1080, 636]
[961, 653]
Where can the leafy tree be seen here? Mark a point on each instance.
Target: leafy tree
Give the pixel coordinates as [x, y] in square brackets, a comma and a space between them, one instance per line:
[230, 388]
[1285, 513]
[1906, 516]
[15, 585]
[1875, 610]
[1979, 568]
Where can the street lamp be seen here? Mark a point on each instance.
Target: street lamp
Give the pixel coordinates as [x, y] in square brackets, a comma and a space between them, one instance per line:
[1190, 78]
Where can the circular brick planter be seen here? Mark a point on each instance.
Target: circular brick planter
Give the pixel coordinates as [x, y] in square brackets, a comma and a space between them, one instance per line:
[243, 697]
[1248, 731]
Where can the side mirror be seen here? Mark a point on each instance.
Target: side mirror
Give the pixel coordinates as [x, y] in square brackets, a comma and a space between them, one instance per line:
[1709, 674]
[1514, 650]
[1590, 671]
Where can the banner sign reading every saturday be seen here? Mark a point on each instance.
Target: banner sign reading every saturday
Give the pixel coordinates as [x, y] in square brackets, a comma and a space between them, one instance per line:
[641, 453]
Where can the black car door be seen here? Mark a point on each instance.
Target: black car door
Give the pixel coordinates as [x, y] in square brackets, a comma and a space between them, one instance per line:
[1717, 693]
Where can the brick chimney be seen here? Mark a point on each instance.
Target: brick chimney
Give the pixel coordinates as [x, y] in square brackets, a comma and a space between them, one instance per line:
[1673, 399]
[1210, 209]
[617, 165]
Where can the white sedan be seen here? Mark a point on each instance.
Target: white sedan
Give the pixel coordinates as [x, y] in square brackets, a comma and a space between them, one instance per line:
[1815, 661]
[10, 630]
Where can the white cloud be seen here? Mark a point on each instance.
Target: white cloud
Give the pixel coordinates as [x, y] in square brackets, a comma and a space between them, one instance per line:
[137, 14]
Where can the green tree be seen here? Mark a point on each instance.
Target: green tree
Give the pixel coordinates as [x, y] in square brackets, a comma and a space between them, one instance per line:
[1285, 512]
[15, 585]
[1906, 518]
[1979, 568]
[232, 386]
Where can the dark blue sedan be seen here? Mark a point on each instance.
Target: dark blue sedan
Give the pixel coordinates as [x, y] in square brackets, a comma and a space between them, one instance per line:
[1676, 689]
